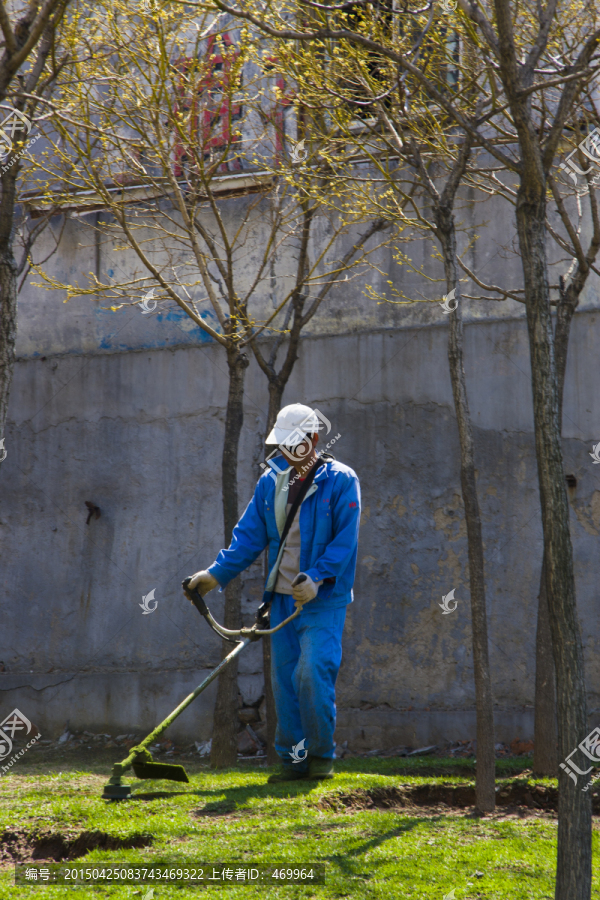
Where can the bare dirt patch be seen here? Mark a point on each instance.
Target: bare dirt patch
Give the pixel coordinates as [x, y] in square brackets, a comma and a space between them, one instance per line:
[23, 846]
[513, 795]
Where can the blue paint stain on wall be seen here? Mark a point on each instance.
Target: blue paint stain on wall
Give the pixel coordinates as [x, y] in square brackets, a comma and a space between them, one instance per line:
[128, 329]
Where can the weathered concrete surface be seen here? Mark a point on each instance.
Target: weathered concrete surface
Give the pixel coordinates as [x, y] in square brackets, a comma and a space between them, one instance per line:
[387, 727]
[139, 434]
[126, 702]
[48, 325]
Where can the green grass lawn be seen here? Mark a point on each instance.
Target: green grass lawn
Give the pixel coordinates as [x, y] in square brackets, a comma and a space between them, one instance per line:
[235, 817]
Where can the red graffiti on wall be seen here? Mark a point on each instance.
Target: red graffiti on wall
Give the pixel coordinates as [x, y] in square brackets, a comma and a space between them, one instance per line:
[205, 99]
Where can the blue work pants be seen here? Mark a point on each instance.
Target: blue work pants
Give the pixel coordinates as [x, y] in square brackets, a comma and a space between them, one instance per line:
[305, 660]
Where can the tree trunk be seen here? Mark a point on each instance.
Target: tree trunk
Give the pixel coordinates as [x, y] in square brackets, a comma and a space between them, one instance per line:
[277, 383]
[545, 751]
[225, 720]
[276, 388]
[573, 872]
[485, 773]
[8, 294]
[545, 757]
[275, 395]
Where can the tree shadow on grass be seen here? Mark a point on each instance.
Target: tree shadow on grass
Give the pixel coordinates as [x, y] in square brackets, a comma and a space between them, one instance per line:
[348, 861]
[379, 839]
[157, 795]
[226, 799]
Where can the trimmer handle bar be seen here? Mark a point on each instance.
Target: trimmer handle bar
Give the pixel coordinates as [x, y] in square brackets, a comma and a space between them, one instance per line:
[252, 634]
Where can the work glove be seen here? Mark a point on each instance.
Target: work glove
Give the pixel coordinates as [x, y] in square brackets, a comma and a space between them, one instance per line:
[304, 589]
[203, 581]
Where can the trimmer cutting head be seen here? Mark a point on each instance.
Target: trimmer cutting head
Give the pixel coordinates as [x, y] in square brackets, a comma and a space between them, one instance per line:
[116, 791]
[140, 760]
[160, 770]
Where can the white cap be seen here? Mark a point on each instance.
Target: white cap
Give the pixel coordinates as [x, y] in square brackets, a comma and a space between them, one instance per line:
[293, 423]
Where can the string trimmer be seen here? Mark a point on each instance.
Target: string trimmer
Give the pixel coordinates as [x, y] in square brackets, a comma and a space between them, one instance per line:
[140, 758]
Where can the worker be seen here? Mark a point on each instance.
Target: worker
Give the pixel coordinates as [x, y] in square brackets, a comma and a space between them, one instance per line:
[313, 569]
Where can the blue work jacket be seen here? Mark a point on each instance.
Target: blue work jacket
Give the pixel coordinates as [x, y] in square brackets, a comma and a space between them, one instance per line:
[329, 523]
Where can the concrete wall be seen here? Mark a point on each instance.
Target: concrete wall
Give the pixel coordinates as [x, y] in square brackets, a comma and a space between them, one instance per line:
[138, 432]
[126, 411]
[51, 326]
